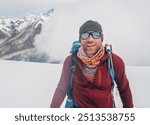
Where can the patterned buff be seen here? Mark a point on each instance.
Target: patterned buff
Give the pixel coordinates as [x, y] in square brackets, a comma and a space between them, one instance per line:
[91, 62]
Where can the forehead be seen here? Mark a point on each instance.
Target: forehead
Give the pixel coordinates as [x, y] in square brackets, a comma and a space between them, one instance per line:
[90, 31]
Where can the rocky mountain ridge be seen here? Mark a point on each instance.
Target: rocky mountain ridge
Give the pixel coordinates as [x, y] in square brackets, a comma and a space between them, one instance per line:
[17, 37]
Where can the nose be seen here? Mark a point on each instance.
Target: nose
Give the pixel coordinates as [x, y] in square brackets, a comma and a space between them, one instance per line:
[90, 38]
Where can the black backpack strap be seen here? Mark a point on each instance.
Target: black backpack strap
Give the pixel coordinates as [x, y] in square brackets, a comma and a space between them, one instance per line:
[70, 103]
[72, 71]
[75, 46]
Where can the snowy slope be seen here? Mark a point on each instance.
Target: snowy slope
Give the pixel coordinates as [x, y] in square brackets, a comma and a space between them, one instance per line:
[25, 84]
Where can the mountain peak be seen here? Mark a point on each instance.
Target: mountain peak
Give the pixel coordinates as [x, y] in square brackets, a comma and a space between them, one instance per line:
[17, 34]
[51, 10]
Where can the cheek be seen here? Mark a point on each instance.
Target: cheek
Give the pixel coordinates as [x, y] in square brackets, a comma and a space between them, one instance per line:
[83, 43]
[98, 44]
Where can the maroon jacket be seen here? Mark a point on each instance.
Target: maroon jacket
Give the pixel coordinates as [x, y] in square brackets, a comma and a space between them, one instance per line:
[97, 94]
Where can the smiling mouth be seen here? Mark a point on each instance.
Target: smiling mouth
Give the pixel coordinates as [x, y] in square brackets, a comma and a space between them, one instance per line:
[90, 45]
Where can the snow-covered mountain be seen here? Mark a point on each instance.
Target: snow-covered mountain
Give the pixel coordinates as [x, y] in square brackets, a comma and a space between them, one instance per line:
[17, 37]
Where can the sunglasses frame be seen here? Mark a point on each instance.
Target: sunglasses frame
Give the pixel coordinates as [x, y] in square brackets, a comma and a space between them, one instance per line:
[92, 34]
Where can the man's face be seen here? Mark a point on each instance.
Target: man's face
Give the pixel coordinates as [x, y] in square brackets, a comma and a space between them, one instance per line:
[91, 45]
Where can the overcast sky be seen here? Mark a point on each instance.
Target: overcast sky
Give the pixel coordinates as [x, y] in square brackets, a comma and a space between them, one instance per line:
[13, 8]
[19, 8]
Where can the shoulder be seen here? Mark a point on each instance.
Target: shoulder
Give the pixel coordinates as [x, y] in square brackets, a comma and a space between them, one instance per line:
[118, 62]
[116, 58]
[66, 65]
[68, 59]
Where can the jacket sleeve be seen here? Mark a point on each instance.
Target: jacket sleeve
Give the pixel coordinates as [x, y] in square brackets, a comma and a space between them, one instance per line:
[62, 86]
[122, 82]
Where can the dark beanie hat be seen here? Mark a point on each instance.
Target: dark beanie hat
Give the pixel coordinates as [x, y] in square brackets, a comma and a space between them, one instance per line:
[90, 26]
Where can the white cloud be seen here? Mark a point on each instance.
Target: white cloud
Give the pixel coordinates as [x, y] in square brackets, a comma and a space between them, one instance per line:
[125, 24]
[122, 25]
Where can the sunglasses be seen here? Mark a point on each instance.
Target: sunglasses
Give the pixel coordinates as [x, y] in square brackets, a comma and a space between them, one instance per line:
[95, 35]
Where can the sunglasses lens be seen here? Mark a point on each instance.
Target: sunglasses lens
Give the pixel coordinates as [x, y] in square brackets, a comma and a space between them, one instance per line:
[96, 35]
[85, 35]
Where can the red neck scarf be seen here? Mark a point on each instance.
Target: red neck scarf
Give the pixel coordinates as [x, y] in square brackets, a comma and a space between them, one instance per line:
[91, 62]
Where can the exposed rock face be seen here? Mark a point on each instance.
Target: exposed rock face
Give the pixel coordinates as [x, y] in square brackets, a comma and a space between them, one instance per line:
[17, 38]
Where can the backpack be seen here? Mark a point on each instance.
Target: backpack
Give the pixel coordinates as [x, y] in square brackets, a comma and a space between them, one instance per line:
[70, 102]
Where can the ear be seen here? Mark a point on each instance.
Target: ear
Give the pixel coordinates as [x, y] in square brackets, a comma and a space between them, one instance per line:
[79, 38]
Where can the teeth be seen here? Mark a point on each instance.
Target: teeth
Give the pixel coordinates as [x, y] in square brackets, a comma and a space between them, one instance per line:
[90, 45]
